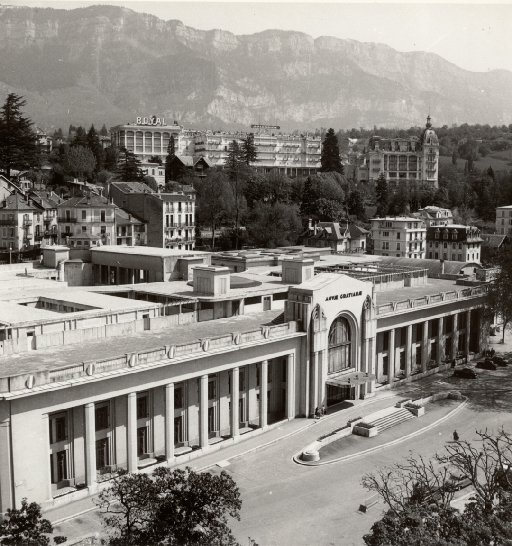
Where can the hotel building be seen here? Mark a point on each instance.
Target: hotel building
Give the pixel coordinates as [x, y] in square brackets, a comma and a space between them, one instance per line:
[294, 155]
[128, 374]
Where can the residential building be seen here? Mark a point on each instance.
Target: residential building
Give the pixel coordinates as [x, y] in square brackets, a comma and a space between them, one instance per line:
[401, 159]
[129, 229]
[454, 242]
[504, 220]
[46, 229]
[147, 374]
[91, 214]
[434, 216]
[400, 236]
[294, 155]
[170, 217]
[339, 236]
[155, 170]
[17, 223]
[188, 165]
[44, 141]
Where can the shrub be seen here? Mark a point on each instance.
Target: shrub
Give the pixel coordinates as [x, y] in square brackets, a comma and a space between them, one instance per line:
[352, 420]
[413, 405]
[362, 424]
[332, 433]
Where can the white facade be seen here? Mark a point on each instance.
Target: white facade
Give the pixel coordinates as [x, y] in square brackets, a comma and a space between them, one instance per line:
[400, 236]
[504, 220]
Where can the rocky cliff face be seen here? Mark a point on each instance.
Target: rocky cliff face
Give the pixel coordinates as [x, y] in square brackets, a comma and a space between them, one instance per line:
[110, 64]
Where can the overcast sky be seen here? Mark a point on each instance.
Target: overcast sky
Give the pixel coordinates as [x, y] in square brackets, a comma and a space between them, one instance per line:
[473, 36]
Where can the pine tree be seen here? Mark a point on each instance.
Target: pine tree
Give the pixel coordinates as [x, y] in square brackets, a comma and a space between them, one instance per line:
[94, 144]
[80, 138]
[381, 195]
[18, 147]
[330, 159]
[128, 168]
[308, 199]
[248, 150]
[355, 205]
[171, 154]
[103, 131]
[235, 166]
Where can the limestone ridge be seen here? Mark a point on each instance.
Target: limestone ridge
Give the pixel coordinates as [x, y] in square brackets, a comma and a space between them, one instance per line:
[110, 64]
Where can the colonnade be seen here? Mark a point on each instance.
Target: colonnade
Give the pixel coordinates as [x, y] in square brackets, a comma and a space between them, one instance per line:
[432, 343]
[202, 435]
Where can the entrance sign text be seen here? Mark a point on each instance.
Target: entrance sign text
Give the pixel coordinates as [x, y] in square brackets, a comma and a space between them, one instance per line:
[150, 121]
[343, 296]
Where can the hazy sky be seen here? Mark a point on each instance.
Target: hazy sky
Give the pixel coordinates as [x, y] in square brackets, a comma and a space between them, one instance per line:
[473, 36]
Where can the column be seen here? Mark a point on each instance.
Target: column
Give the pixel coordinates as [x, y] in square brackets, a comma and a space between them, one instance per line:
[290, 386]
[468, 331]
[6, 477]
[408, 350]
[118, 269]
[169, 422]
[46, 471]
[391, 357]
[131, 432]
[424, 347]
[440, 342]
[203, 411]
[131, 276]
[90, 445]
[263, 393]
[108, 274]
[235, 397]
[314, 383]
[455, 335]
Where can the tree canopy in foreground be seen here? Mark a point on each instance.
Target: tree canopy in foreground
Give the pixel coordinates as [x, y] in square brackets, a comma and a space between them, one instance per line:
[171, 508]
[418, 494]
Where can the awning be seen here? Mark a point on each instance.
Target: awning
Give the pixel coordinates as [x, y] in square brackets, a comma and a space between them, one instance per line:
[350, 379]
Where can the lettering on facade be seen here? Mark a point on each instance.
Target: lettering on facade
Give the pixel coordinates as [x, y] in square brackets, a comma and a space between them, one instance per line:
[343, 296]
[153, 120]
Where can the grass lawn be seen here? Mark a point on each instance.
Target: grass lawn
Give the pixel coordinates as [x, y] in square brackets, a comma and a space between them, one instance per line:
[499, 161]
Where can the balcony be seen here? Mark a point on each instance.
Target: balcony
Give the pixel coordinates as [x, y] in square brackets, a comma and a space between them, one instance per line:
[67, 220]
[27, 222]
[7, 222]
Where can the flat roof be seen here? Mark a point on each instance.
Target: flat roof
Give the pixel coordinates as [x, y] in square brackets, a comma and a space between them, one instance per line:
[104, 348]
[147, 251]
[434, 286]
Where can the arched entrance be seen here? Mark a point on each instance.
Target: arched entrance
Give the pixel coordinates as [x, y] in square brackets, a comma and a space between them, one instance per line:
[340, 357]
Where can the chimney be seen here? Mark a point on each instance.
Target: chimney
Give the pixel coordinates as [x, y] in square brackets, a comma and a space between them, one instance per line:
[111, 200]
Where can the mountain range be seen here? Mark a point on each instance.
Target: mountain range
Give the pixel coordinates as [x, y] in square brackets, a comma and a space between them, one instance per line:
[106, 64]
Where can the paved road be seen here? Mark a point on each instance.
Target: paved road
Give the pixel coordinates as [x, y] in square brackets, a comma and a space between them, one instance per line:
[288, 504]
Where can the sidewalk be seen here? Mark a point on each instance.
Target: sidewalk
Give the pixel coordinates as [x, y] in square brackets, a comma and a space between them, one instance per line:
[81, 518]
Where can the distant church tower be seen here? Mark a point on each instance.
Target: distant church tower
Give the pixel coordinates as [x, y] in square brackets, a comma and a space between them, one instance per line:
[430, 155]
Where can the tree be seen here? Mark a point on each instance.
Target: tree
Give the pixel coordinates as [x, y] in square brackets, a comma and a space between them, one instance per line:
[418, 495]
[308, 199]
[484, 149]
[103, 130]
[151, 182]
[80, 161]
[238, 172]
[80, 138]
[171, 154]
[381, 195]
[24, 526]
[248, 150]
[155, 159]
[111, 157]
[271, 225]
[330, 158]
[94, 144]
[499, 295]
[455, 156]
[128, 169]
[176, 507]
[214, 204]
[18, 147]
[355, 205]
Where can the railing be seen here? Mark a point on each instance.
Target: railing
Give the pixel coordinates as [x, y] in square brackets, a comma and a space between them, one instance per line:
[7, 222]
[423, 301]
[131, 360]
[27, 222]
[69, 220]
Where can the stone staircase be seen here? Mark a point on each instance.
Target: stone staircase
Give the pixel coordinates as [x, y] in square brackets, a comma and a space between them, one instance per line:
[391, 418]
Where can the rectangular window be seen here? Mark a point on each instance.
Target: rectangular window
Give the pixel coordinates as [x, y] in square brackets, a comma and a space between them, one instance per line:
[84, 215]
[385, 341]
[102, 216]
[101, 418]
[435, 327]
[241, 381]
[60, 429]
[211, 390]
[178, 397]
[142, 407]
[142, 441]
[102, 458]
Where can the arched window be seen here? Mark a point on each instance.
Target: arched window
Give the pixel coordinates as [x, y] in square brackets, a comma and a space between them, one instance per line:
[339, 345]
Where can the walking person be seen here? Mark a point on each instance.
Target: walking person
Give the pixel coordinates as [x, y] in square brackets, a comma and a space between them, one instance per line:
[455, 436]
[324, 411]
[317, 413]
